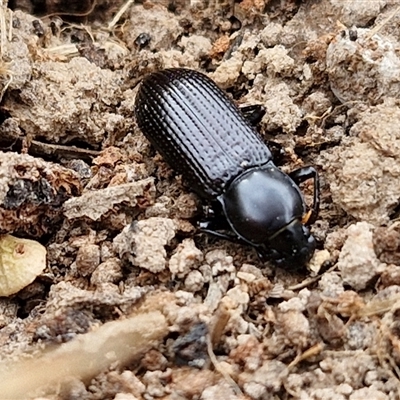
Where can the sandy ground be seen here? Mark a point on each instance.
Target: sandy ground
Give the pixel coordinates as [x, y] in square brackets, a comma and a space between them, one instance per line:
[133, 302]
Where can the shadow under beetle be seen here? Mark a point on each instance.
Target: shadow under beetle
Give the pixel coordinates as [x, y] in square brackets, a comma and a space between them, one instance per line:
[206, 138]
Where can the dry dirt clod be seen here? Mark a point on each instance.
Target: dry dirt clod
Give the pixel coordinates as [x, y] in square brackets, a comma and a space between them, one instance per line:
[186, 258]
[357, 63]
[358, 262]
[32, 192]
[109, 271]
[143, 243]
[363, 173]
[87, 259]
[99, 203]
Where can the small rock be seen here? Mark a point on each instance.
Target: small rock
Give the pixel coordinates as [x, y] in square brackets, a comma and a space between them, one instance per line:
[358, 263]
[88, 259]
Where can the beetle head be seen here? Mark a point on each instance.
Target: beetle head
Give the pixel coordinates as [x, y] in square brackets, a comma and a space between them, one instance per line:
[293, 246]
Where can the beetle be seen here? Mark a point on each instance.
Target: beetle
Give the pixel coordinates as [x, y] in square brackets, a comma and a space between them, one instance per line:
[201, 134]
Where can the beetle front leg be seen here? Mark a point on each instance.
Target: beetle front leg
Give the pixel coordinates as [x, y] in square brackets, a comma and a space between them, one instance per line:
[253, 113]
[301, 175]
[217, 226]
[207, 227]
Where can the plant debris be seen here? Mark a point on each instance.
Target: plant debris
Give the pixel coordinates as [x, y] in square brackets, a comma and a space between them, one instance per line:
[21, 262]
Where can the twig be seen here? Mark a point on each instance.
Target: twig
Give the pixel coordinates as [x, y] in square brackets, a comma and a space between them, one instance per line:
[83, 14]
[3, 29]
[382, 24]
[119, 14]
[225, 375]
[58, 150]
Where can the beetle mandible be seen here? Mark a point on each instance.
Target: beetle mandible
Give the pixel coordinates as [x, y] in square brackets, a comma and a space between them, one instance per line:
[200, 133]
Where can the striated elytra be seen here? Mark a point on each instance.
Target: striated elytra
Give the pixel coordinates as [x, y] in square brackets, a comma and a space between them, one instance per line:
[206, 138]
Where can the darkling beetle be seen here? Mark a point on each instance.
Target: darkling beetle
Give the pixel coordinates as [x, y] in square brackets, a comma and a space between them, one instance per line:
[206, 138]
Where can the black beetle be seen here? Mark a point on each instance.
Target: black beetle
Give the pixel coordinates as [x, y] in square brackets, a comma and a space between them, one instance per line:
[206, 138]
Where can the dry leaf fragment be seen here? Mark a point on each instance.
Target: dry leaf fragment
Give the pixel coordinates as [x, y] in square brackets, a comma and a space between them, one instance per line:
[21, 261]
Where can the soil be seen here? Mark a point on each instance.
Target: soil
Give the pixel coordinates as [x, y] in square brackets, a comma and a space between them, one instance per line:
[134, 302]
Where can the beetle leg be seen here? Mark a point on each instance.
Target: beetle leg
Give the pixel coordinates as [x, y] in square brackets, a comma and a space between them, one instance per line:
[215, 224]
[277, 150]
[263, 255]
[206, 227]
[301, 175]
[253, 113]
